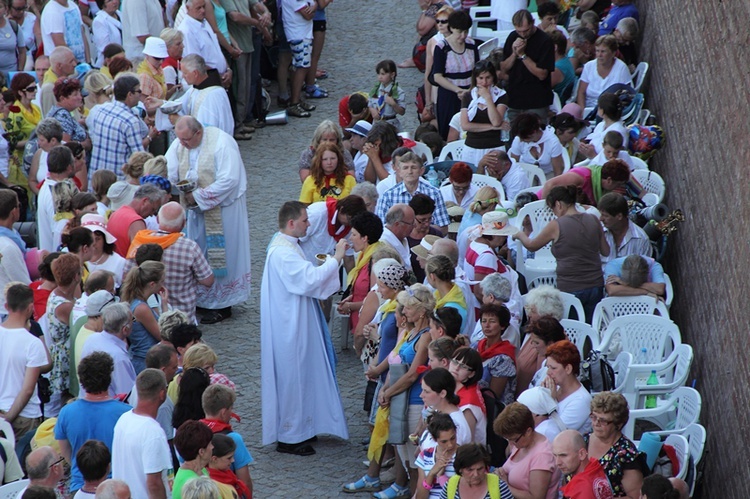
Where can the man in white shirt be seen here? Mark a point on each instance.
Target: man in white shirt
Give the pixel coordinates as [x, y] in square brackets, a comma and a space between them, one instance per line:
[21, 358]
[62, 26]
[140, 19]
[118, 324]
[498, 165]
[329, 223]
[140, 453]
[61, 167]
[399, 221]
[200, 39]
[12, 248]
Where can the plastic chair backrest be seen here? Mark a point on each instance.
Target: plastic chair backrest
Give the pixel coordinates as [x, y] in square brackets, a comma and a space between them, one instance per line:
[549, 280]
[651, 182]
[539, 214]
[566, 161]
[616, 306]
[643, 116]
[534, 173]
[639, 75]
[574, 93]
[556, 105]
[638, 163]
[7, 428]
[421, 149]
[621, 366]
[696, 437]
[669, 292]
[658, 335]
[572, 303]
[11, 490]
[689, 404]
[630, 116]
[681, 447]
[487, 47]
[533, 190]
[482, 180]
[453, 149]
[582, 335]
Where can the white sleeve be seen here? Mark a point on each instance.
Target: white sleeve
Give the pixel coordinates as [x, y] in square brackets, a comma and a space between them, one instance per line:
[53, 22]
[586, 73]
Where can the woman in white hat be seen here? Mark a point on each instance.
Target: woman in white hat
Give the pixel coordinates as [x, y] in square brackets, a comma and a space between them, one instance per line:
[103, 255]
[544, 409]
[150, 72]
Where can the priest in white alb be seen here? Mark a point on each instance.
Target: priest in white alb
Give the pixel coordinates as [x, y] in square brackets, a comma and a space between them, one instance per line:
[208, 159]
[299, 394]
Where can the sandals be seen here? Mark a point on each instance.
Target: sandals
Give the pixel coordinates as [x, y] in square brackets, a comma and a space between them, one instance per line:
[321, 74]
[364, 484]
[315, 92]
[393, 492]
[307, 106]
[297, 111]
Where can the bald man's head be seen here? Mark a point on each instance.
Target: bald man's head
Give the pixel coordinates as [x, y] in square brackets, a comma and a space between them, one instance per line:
[113, 489]
[400, 220]
[570, 452]
[681, 486]
[446, 247]
[171, 217]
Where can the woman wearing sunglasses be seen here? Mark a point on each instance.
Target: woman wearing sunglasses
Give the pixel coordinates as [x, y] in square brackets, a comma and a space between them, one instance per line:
[24, 117]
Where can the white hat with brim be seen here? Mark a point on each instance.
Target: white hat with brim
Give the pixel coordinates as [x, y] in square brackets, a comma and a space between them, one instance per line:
[456, 214]
[94, 222]
[97, 301]
[495, 223]
[361, 128]
[155, 47]
[422, 250]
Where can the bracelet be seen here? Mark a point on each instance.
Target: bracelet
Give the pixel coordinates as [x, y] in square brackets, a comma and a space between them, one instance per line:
[426, 485]
[149, 138]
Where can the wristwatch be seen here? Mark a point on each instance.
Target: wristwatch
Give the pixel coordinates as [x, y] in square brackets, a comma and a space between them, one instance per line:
[522, 57]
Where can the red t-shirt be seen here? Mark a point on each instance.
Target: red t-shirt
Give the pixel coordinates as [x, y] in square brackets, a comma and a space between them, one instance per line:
[40, 299]
[118, 225]
[591, 483]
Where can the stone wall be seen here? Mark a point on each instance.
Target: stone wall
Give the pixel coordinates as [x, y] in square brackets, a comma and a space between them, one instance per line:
[699, 89]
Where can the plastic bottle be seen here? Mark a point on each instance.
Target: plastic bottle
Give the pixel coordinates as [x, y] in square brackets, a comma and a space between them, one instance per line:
[651, 399]
[642, 356]
[432, 177]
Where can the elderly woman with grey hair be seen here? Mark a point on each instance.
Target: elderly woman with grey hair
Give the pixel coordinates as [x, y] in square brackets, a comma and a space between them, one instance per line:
[368, 192]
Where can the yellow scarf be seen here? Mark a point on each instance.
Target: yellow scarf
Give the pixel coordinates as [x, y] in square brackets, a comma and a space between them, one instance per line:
[455, 295]
[388, 308]
[364, 259]
[63, 215]
[156, 74]
[32, 115]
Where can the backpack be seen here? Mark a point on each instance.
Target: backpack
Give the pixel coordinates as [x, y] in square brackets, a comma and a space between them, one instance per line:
[645, 140]
[495, 442]
[597, 374]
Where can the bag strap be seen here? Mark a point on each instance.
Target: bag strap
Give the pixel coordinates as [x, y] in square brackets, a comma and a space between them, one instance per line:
[14, 26]
[453, 486]
[493, 485]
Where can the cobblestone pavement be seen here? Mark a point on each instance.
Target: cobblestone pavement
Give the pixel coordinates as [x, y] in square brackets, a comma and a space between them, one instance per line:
[360, 33]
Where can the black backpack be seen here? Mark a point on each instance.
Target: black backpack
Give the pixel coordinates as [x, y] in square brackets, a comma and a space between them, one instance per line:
[597, 375]
[495, 443]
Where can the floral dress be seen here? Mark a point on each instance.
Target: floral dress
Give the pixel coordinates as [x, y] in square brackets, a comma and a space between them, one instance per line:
[623, 455]
[59, 347]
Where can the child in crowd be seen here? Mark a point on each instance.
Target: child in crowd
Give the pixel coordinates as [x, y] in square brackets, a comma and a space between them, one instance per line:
[329, 177]
[386, 97]
[298, 28]
[613, 148]
[220, 468]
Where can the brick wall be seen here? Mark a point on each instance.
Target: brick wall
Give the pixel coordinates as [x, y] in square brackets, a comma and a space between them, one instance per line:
[699, 88]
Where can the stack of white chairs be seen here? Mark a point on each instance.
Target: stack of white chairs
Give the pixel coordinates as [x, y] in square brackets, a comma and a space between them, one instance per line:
[544, 263]
[616, 306]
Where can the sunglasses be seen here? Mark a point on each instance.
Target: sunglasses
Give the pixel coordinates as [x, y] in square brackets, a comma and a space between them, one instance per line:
[441, 21]
[30, 89]
[332, 191]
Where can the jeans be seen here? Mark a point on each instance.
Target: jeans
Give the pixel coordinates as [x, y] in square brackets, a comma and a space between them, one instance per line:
[589, 298]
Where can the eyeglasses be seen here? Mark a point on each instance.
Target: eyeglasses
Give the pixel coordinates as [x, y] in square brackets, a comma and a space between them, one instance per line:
[407, 223]
[57, 462]
[441, 21]
[461, 365]
[30, 89]
[597, 420]
[461, 188]
[514, 441]
[137, 91]
[333, 190]
[17, 9]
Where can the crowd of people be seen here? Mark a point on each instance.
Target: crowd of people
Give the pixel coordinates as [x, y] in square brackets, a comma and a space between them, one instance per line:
[121, 126]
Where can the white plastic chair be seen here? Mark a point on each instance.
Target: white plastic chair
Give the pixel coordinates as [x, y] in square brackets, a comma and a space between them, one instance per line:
[543, 264]
[582, 335]
[671, 373]
[453, 149]
[11, 490]
[421, 149]
[681, 409]
[556, 105]
[638, 164]
[535, 174]
[574, 94]
[7, 428]
[533, 190]
[643, 116]
[682, 449]
[651, 182]
[570, 303]
[487, 47]
[566, 161]
[549, 280]
[631, 333]
[480, 181]
[621, 367]
[669, 292]
[615, 306]
[639, 76]
[481, 14]
[696, 437]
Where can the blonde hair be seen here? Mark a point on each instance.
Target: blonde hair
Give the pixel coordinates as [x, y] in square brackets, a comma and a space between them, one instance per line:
[98, 83]
[199, 355]
[170, 320]
[327, 126]
[156, 166]
[134, 167]
[137, 279]
[445, 10]
[62, 194]
[171, 36]
[483, 197]
[417, 295]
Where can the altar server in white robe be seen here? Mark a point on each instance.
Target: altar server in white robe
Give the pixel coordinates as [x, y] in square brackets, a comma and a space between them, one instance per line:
[299, 395]
[217, 216]
[207, 103]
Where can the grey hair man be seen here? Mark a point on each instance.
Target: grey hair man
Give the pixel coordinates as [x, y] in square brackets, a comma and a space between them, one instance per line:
[399, 222]
[44, 467]
[113, 489]
[118, 324]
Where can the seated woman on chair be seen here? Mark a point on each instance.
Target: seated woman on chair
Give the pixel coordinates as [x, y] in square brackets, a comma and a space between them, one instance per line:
[593, 181]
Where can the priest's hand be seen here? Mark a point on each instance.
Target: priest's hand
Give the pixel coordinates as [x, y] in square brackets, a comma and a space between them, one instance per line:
[341, 248]
[344, 307]
[190, 199]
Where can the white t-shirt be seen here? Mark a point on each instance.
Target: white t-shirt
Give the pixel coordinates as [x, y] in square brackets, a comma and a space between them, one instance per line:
[548, 145]
[596, 137]
[600, 159]
[45, 216]
[449, 195]
[12, 268]
[514, 181]
[574, 410]
[618, 74]
[296, 27]
[114, 263]
[66, 20]
[139, 18]
[139, 448]
[19, 350]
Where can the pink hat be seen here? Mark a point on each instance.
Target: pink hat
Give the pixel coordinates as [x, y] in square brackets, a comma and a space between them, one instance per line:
[574, 110]
[94, 222]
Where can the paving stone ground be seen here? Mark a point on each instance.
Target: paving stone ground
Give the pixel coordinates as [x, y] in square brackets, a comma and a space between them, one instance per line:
[360, 33]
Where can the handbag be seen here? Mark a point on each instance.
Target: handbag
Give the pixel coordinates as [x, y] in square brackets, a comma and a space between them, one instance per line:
[399, 425]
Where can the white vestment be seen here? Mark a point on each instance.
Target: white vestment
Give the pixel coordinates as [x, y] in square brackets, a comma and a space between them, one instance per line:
[209, 106]
[227, 191]
[299, 394]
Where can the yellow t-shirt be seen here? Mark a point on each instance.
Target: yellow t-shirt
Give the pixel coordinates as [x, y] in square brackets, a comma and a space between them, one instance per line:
[310, 193]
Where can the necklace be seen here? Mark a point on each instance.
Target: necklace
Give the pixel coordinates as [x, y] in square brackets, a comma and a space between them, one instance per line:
[101, 259]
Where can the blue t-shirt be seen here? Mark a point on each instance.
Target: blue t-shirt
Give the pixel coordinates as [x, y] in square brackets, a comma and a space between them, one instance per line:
[616, 14]
[140, 340]
[84, 420]
[407, 352]
[655, 270]
[242, 456]
[569, 75]
[388, 338]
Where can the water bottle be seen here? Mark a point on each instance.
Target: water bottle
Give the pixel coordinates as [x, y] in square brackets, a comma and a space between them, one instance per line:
[432, 177]
[643, 356]
[651, 399]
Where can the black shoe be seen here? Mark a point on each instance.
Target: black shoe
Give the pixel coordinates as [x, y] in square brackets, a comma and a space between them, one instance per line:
[301, 449]
[214, 316]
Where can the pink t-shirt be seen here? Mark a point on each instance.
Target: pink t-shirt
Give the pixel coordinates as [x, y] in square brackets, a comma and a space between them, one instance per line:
[539, 457]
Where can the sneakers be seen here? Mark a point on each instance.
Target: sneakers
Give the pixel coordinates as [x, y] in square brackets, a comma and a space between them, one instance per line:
[364, 484]
[395, 491]
[297, 111]
[315, 92]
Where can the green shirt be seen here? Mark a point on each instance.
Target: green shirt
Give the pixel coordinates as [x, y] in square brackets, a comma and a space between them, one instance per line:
[181, 478]
[241, 33]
